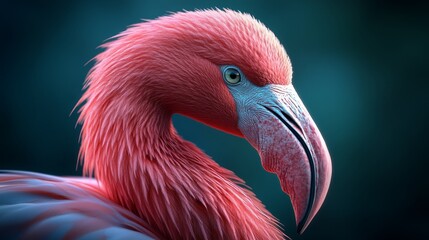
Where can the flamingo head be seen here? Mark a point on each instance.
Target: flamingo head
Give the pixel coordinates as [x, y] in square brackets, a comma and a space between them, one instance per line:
[227, 70]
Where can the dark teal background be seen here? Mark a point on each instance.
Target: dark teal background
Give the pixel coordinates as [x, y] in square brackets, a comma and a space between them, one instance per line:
[359, 66]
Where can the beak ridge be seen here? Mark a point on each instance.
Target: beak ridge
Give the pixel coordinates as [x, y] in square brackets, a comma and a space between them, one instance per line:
[297, 131]
[291, 146]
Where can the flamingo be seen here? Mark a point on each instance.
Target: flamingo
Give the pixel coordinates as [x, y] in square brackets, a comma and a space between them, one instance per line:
[220, 67]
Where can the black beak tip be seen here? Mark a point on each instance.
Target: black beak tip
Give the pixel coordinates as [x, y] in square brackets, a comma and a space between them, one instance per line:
[300, 227]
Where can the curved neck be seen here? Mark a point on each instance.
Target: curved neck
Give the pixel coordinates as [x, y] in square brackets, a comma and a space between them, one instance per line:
[129, 143]
[147, 168]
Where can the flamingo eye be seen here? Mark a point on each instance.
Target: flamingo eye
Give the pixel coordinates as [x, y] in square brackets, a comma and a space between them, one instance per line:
[231, 75]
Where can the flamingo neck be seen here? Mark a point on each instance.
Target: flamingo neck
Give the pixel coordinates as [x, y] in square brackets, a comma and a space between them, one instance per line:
[146, 167]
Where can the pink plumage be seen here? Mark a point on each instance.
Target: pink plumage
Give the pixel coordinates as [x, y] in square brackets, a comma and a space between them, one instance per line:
[150, 182]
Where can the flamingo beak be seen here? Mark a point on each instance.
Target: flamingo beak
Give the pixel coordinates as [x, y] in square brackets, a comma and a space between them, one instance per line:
[291, 146]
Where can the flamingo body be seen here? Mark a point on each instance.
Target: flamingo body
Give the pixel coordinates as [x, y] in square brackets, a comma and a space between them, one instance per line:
[219, 67]
[39, 206]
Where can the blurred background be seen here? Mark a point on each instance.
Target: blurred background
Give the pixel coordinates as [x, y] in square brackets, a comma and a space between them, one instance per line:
[359, 66]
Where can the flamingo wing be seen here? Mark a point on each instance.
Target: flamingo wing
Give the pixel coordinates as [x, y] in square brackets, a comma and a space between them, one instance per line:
[39, 206]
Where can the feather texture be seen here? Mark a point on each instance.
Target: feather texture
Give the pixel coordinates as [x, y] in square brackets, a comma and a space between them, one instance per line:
[39, 206]
[151, 182]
